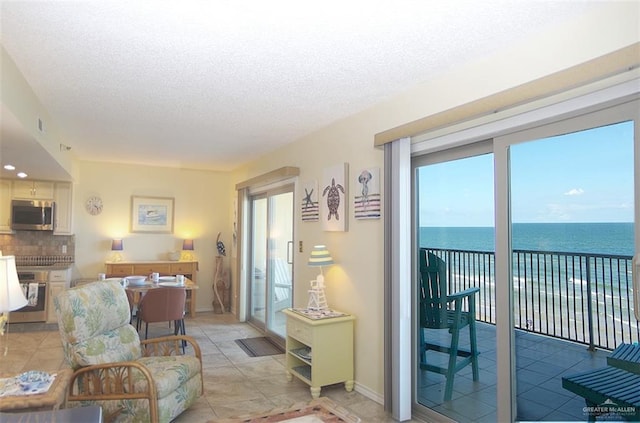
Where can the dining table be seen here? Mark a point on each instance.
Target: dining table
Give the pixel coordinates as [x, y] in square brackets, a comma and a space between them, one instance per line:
[138, 290]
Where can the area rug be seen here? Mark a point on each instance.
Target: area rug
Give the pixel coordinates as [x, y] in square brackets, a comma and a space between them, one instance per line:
[258, 347]
[321, 410]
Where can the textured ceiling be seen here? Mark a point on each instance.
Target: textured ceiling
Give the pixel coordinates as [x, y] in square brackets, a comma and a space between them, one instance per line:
[211, 85]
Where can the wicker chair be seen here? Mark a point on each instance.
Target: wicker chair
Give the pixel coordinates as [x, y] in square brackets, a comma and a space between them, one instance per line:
[132, 380]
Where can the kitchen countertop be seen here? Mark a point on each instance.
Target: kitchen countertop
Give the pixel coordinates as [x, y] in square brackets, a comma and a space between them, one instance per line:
[59, 266]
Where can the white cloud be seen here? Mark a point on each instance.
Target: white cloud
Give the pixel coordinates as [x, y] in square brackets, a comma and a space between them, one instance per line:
[575, 191]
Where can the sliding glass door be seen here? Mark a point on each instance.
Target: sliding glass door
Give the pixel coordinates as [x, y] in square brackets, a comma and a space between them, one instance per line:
[271, 275]
[456, 233]
[572, 243]
[552, 276]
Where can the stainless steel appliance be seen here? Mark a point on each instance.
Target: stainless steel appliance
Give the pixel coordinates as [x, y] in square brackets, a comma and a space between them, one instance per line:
[37, 312]
[32, 215]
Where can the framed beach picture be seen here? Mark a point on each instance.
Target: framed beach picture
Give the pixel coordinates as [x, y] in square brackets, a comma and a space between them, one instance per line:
[366, 200]
[309, 209]
[152, 214]
[333, 198]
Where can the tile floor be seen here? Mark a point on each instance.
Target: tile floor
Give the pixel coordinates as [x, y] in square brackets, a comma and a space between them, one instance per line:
[540, 364]
[237, 384]
[234, 383]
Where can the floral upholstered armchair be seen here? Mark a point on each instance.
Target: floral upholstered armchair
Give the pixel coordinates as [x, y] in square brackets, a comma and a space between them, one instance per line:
[133, 381]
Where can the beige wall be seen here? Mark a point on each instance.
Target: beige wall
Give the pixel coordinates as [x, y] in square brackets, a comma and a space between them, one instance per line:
[355, 284]
[201, 211]
[203, 199]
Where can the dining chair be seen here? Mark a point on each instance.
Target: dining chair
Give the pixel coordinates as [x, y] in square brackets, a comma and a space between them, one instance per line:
[162, 305]
[132, 380]
[440, 310]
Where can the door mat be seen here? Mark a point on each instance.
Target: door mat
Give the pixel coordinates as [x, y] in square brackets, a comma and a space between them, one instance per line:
[321, 410]
[258, 347]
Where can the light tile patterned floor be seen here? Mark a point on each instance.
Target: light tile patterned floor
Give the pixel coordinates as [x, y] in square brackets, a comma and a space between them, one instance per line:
[235, 384]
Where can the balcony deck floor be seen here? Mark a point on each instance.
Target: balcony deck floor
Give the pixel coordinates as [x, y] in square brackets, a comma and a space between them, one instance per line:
[540, 362]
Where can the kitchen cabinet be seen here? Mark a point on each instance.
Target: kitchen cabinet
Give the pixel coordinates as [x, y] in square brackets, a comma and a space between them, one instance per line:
[63, 197]
[53, 289]
[5, 205]
[319, 352]
[33, 189]
[60, 275]
[58, 282]
[144, 268]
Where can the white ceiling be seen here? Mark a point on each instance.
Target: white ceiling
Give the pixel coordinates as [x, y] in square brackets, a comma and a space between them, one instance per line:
[212, 85]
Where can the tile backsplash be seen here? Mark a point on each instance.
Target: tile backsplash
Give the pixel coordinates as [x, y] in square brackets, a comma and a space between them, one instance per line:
[37, 243]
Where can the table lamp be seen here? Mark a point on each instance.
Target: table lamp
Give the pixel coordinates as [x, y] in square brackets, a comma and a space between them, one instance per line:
[116, 245]
[320, 256]
[187, 245]
[12, 297]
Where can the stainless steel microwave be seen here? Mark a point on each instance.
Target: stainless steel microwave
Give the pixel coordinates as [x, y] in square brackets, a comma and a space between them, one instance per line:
[32, 215]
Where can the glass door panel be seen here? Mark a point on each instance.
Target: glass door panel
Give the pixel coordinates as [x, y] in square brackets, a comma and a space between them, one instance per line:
[455, 217]
[257, 290]
[572, 241]
[280, 260]
[271, 287]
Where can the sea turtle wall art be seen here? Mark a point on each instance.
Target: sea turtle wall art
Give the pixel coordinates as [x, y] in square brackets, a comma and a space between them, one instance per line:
[334, 196]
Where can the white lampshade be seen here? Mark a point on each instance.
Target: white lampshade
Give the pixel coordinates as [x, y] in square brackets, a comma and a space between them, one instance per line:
[12, 297]
[320, 256]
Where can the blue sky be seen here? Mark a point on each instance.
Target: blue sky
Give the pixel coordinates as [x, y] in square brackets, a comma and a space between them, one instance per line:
[581, 177]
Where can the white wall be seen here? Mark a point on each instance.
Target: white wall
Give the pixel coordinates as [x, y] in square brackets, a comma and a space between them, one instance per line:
[201, 211]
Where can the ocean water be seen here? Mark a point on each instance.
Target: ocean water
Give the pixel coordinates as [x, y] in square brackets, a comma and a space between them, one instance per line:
[598, 238]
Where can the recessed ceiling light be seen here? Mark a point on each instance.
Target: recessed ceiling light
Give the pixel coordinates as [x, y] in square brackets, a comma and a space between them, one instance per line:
[10, 167]
[22, 175]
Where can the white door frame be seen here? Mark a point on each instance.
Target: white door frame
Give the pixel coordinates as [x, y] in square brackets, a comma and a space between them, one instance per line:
[580, 101]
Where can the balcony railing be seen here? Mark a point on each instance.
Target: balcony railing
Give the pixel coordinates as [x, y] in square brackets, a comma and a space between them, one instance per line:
[585, 298]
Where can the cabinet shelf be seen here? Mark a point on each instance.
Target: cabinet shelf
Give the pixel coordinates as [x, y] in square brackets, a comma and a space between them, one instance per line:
[303, 372]
[319, 351]
[302, 354]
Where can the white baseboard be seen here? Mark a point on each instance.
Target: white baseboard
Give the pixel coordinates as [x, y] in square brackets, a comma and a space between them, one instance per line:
[373, 396]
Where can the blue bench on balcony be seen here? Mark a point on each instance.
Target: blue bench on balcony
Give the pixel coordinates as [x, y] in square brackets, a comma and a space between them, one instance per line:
[611, 389]
[626, 357]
